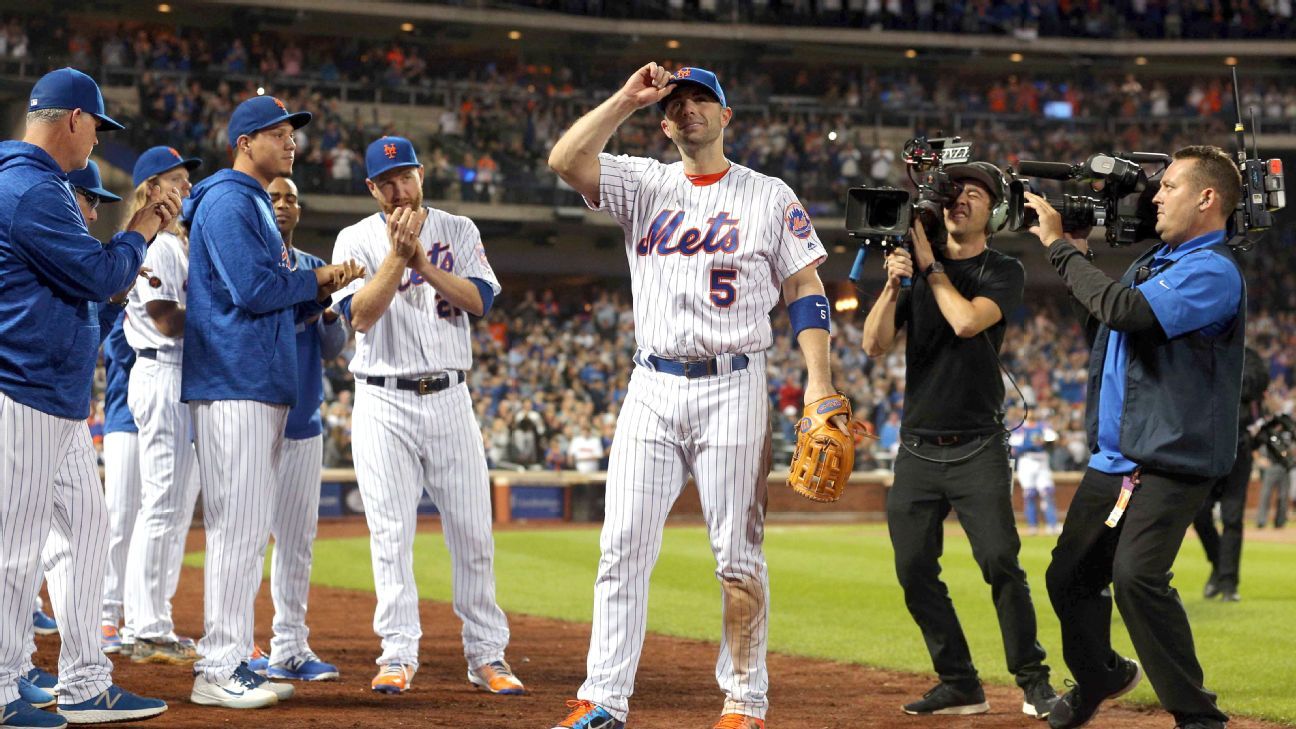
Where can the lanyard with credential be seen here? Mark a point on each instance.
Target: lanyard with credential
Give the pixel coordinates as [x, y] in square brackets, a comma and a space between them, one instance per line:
[1128, 484]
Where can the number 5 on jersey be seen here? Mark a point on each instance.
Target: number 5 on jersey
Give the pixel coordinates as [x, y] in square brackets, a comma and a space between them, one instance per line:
[723, 291]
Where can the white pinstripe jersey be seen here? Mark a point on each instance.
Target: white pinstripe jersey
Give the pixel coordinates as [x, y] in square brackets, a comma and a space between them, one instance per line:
[706, 262]
[420, 333]
[169, 263]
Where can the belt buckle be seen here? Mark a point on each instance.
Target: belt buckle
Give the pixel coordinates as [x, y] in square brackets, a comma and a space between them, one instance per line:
[693, 369]
[947, 440]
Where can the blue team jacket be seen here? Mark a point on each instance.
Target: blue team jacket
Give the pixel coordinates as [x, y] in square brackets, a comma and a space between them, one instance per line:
[119, 358]
[51, 272]
[239, 341]
[315, 341]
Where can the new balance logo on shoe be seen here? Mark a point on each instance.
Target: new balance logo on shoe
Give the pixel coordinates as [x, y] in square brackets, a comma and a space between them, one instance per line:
[107, 701]
[6, 717]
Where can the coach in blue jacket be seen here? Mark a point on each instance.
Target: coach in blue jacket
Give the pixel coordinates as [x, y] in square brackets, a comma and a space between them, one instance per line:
[54, 277]
[239, 377]
[1162, 419]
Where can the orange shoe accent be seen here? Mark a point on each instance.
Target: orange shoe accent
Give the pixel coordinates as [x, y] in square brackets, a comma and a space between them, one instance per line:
[739, 721]
[258, 653]
[496, 678]
[579, 710]
[394, 678]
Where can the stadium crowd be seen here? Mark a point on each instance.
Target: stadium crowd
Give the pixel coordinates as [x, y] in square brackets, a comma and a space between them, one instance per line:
[490, 125]
[1024, 19]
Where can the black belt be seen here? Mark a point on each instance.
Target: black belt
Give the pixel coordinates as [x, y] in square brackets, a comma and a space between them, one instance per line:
[147, 353]
[424, 385]
[949, 439]
[693, 369]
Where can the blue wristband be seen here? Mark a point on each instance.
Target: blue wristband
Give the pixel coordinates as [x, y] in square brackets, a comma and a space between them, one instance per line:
[809, 312]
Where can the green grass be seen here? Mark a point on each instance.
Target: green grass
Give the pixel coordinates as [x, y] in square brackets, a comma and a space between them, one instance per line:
[834, 596]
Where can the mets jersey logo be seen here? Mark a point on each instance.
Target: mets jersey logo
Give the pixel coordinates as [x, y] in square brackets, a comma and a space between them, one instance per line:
[721, 235]
[390, 151]
[798, 220]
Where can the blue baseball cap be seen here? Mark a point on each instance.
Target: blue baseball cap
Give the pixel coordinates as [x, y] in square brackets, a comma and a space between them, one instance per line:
[88, 179]
[388, 153]
[157, 160]
[262, 112]
[68, 88]
[698, 77]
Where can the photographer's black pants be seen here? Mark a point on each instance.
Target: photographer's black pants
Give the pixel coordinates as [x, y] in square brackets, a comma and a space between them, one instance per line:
[979, 491]
[1224, 548]
[1134, 558]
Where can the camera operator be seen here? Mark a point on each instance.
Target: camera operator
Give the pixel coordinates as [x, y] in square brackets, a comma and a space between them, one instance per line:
[1165, 378]
[953, 450]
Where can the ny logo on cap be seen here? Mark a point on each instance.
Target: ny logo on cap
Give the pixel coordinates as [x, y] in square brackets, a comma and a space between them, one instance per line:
[390, 151]
[173, 152]
[684, 72]
[279, 104]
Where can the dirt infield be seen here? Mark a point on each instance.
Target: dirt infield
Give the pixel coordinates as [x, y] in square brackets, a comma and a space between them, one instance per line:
[676, 686]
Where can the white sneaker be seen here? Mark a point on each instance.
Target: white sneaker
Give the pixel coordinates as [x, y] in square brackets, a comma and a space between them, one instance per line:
[234, 692]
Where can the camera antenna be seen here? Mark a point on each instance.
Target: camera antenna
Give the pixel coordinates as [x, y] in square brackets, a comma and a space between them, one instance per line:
[1239, 128]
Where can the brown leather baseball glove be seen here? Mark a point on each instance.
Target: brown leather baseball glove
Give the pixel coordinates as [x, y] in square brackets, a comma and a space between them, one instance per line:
[825, 453]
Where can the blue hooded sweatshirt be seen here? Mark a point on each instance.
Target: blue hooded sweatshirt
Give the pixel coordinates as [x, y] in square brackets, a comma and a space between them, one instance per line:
[244, 296]
[51, 272]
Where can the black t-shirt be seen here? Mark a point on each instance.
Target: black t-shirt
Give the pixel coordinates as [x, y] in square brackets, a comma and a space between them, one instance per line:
[952, 384]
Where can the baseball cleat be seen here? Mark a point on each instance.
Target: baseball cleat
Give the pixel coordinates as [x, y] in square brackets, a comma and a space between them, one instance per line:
[161, 650]
[739, 721]
[34, 695]
[44, 624]
[497, 678]
[394, 678]
[306, 667]
[259, 661]
[109, 639]
[112, 704]
[242, 689]
[589, 715]
[19, 714]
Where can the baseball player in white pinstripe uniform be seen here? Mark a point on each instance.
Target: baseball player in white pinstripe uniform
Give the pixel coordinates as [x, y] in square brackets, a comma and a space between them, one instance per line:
[154, 327]
[121, 480]
[413, 424]
[710, 246]
[240, 380]
[58, 282]
[296, 500]
[35, 685]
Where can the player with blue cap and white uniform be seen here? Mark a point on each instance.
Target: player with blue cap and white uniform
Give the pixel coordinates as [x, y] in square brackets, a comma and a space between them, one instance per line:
[154, 327]
[413, 427]
[712, 246]
[58, 280]
[295, 517]
[239, 377]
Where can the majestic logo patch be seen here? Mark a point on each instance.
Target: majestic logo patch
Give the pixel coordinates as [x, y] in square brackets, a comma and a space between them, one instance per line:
[828, 405]
[798, 220]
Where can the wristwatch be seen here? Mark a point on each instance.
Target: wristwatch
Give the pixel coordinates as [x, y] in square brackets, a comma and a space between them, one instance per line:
[935, 267]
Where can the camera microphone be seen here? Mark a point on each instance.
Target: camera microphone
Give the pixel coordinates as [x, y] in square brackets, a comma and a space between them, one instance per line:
[1047, 170]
